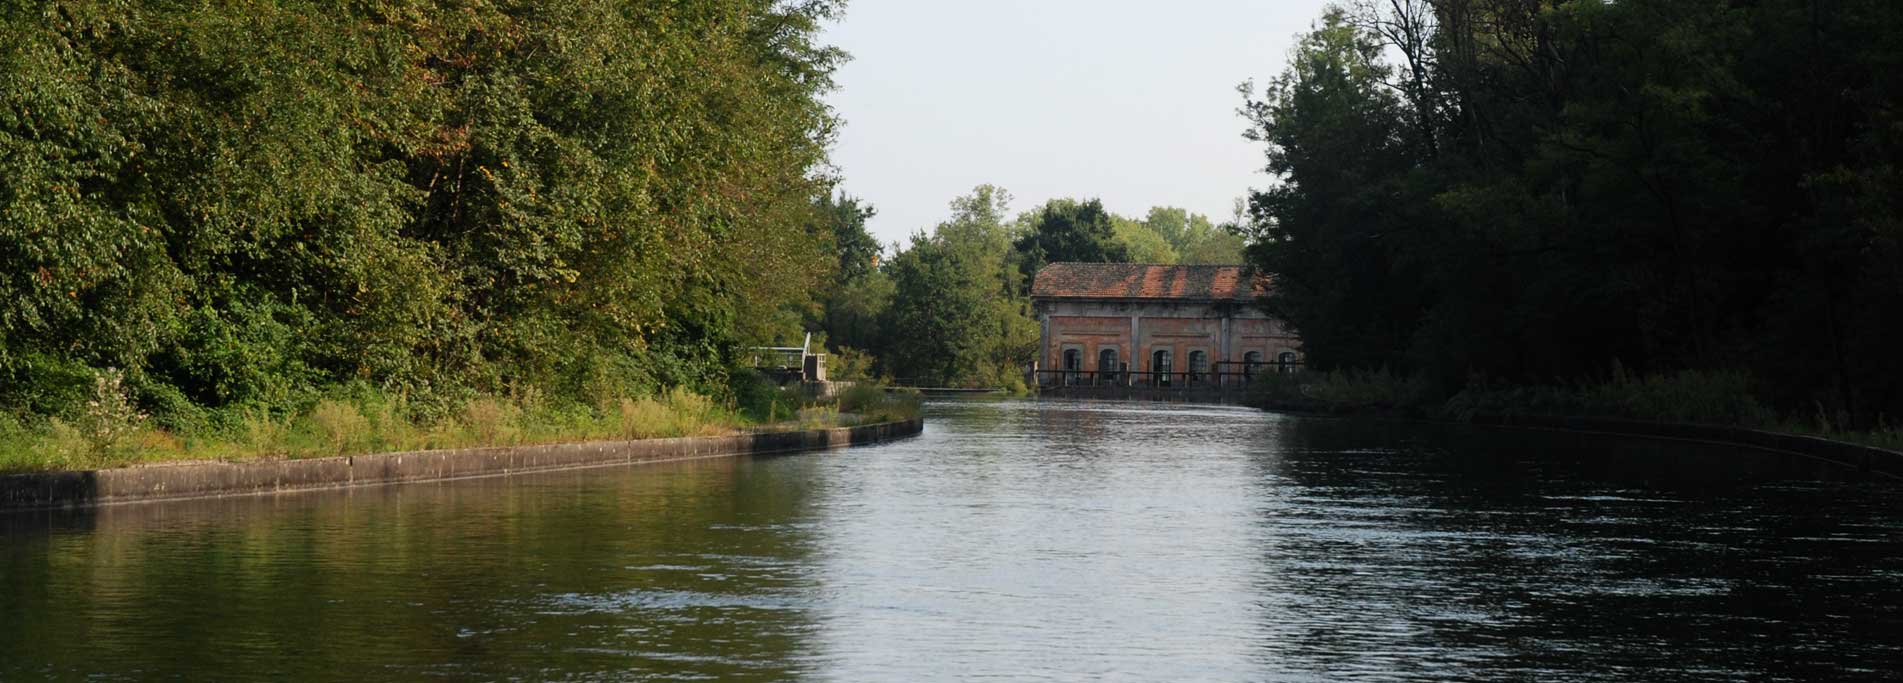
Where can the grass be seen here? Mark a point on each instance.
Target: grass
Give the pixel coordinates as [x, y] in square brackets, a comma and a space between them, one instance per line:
[113, 433]
[1712, 398]
[1361, 392]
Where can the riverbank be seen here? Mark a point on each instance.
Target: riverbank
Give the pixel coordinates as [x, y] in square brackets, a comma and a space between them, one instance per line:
[83, 488]
[1710, 408]
[112, 430]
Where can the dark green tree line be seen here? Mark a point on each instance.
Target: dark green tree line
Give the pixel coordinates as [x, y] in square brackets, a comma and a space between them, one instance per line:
[1538, 191]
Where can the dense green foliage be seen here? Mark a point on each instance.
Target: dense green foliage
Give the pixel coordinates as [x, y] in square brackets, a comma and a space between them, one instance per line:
[958, 316]
[1068, 231]
[244, 205]
[1540, 191]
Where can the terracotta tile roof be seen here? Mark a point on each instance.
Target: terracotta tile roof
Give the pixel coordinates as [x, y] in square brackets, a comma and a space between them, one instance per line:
[1143, 281]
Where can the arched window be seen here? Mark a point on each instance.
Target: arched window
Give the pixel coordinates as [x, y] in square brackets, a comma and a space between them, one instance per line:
[1073, 364]
[1107, 366]
[1287, 361]
[1160, 366]
[1198, 366]
[1249, 361]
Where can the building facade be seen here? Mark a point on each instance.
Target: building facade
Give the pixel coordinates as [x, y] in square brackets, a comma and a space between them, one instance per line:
[1122, 324]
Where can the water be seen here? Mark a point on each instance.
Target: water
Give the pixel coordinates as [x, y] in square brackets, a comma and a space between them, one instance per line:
[1013, 541]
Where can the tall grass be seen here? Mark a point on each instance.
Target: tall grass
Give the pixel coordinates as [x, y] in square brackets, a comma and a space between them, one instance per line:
[874, 403]
[359, 420]
[1726, 398]
[1350, 391]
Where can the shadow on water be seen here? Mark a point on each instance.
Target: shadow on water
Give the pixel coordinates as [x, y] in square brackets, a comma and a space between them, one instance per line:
[660, 575]
[1451, 551]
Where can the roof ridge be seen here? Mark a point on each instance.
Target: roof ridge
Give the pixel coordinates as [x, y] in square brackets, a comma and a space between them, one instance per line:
[1182, 281]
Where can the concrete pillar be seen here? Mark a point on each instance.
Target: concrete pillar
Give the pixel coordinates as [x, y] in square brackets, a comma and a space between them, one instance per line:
[1221, 379]
[1136, 349]
[1044, 338]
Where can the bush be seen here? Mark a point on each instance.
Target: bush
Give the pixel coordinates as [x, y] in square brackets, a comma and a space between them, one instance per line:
[492, 422]
[341, 426]
[1726, 398]
[110, 420]
[758, 398]
[860, 397]
[261, 434]
[644, 419]
[874, 403]
[171, 409]
[847, 364]
[47, 386]
[1341, 391]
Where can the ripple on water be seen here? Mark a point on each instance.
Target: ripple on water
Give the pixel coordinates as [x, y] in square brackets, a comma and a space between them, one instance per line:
[1013, 541]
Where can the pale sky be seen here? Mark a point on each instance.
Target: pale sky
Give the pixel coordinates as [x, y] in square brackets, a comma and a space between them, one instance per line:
[1131, 101]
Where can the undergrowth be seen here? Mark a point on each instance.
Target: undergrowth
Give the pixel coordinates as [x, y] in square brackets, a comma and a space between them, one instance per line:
[1714, 398]
[111, 431]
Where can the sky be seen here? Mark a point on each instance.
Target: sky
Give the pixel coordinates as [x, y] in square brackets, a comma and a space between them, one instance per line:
[1133, 102]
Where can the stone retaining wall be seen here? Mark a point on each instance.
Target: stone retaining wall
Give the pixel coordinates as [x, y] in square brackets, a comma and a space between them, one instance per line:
[201, 479]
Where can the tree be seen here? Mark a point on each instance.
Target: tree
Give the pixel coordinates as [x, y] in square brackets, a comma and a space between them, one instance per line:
[1068, 230]
[1326, 232]
[1546, 191]
[1142, 243]
[860, 292]
[1193, 237]
[244, 204]
[956, 316]
[858, 251]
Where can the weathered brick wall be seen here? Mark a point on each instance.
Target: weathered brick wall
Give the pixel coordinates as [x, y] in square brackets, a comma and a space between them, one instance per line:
[1090, 327]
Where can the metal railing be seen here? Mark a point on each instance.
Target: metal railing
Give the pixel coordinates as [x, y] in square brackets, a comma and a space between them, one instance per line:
[1236, 377]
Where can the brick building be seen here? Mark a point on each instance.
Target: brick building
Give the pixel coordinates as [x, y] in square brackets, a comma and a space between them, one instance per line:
[1155, 326]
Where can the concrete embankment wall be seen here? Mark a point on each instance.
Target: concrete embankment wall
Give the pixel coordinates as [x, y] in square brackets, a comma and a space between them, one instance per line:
[200, 479]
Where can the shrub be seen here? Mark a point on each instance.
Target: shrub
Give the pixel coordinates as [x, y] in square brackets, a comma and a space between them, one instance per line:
[1341, 391]
[847, 364]
[47, 386]
[261, 434]
[758, 398]
[874, 403]
[171, 409]
[342, 427]
[1725, 398]
[822, 417]
[110, 419]
[860, 397]
[492, 422]
[66, 447]
[645, 418]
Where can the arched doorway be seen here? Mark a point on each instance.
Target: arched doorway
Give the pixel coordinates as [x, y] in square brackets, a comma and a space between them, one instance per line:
[1107, 366]
[1249, 361]
[1073, 364]
[1198, 366]
[1160, 367]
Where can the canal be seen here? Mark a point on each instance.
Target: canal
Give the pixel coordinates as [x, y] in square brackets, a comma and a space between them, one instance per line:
[1014, 540]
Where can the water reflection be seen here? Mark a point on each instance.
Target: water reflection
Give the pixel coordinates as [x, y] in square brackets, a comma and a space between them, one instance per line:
[1017, 540]
[688, 571]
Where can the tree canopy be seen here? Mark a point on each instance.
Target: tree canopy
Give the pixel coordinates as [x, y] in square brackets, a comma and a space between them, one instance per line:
[240, 202]
[1065, 230]
[1542, 192]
